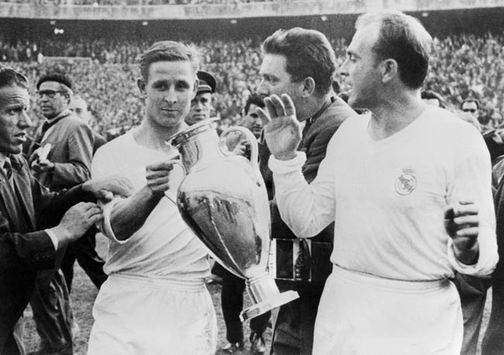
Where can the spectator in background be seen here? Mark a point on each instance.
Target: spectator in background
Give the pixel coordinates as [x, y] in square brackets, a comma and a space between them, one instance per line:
[60, 158]
[250, 119]
[201, 105]
[471, 108]
[80, 107]
[84, 250]
[433, 98]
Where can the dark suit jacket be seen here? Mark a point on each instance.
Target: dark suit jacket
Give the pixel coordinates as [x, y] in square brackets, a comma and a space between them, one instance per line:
[72, 143]
[23, 249]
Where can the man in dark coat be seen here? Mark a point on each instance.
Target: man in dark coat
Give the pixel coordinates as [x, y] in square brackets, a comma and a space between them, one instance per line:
[301, 63]
[25, 248]
[62, 160]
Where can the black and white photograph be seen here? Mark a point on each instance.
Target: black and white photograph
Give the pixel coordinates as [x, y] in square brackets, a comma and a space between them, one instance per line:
[251, 177]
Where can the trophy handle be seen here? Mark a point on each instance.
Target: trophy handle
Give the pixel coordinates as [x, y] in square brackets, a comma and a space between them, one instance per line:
[254, 150]
[176, 162]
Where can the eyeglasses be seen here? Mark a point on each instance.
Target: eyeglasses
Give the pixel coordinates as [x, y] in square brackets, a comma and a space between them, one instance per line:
[49, 93]
[472, 110]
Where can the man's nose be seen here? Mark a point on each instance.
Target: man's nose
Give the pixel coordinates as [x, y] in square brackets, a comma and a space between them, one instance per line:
[171, 96]
[25, 121]
[263, 88]
[343, 69]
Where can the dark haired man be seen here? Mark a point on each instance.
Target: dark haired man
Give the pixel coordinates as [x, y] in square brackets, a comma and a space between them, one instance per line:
[201, 105]
[471, 106]
[25, 246]
[250, 118]
[60, 158]
[409, 190]
[155, 300]
[301, 63]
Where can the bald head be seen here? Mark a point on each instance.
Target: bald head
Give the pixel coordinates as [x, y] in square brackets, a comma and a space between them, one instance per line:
[80, 108]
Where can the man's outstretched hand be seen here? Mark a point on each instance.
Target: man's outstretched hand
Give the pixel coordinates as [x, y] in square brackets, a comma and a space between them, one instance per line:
[282, 130]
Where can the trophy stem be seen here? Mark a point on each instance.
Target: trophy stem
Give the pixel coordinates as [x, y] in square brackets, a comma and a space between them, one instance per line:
[265, 296]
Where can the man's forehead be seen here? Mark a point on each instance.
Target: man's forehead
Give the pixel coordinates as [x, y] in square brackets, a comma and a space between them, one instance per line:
[180, 69]
[252, 109]
[12, 95]
[272, 63]
[470, 104]
[79, 106]
[50, 85]
[203, 95]
[365, 36]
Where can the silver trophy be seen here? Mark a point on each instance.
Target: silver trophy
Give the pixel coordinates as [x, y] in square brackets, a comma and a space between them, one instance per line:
[224, 201]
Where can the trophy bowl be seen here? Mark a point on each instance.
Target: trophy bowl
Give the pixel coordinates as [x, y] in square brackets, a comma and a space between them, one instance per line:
[224, 201]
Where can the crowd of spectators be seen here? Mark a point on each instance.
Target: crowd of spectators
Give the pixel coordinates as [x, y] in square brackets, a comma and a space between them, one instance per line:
[462, 66]
[133, 2]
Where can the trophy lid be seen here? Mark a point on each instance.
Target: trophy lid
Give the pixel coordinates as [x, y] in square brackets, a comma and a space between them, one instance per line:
[191, 131]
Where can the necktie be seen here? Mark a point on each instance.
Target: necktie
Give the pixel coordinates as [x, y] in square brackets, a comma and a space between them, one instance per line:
[8, 169]
[45, 126]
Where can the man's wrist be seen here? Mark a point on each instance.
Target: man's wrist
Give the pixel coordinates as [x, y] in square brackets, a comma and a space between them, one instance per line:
[53, 237]
[467, 256]
[60, 236]
[286, 156]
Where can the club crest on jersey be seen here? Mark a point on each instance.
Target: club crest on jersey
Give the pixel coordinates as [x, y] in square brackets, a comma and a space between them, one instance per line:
[406, 183]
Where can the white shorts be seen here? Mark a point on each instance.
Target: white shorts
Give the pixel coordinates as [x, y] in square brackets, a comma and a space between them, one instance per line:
[360, 314]
[141, 316]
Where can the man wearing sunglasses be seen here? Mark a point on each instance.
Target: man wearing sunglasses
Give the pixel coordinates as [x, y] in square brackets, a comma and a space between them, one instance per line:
[471, 106]
[60, 158]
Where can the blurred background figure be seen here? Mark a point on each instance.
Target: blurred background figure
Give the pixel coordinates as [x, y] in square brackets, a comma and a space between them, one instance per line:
[80, 107]
[433, 98]
[201, 105]
[250, 118]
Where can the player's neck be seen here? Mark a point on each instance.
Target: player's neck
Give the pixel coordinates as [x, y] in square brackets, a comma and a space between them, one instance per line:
[156, 137]
[392, 115]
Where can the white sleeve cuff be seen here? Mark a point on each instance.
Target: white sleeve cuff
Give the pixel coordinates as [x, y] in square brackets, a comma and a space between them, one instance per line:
[53, 238]
[458, 266]
[106, 226]
[287, 166]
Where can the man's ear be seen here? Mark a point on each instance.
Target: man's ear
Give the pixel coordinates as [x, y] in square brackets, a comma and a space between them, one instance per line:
[308, 87]
[195, 88]
[389, 70]
[141, 85]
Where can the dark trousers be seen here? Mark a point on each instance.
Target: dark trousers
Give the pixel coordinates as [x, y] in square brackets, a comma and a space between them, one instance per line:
[472, 291]
[493, 341]
[84, 251]
[293, 330]
[52, 312]
[232, 305]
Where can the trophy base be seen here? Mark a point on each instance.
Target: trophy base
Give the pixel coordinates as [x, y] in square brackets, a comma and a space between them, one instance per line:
[267, 305]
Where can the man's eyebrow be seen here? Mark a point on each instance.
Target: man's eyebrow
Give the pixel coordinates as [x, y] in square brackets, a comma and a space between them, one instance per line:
[16, 106]
[269, 76]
